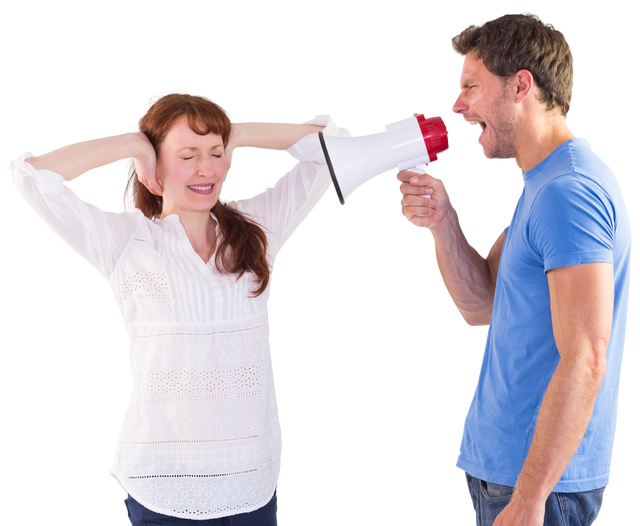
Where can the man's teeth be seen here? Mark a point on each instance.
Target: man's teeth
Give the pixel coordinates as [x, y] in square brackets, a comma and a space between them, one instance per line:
[476, 122]
[209, 187]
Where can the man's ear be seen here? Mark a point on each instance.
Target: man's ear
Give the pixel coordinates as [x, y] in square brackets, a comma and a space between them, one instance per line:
[523, 84]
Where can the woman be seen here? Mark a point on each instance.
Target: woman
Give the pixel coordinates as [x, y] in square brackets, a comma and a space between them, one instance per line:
[201, 438]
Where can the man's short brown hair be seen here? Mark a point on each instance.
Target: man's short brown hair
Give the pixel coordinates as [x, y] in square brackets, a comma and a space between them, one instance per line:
[515, 42]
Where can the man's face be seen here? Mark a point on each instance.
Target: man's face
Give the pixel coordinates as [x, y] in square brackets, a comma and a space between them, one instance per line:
[486, 100]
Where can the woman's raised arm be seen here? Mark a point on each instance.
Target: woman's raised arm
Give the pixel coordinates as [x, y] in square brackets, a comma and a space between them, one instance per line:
[74, 160]
[269, 136]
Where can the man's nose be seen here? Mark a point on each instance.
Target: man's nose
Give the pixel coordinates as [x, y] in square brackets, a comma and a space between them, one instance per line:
[460, 106]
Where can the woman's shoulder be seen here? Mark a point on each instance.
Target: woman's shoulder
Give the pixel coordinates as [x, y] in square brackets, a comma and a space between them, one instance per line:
[128, 224]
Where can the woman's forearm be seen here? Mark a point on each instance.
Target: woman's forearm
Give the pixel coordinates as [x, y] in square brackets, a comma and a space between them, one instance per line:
[76, 159]
[272, 136]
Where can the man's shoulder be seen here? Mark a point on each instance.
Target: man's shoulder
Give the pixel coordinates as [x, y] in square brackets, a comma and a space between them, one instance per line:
[587, 162]
[573, 168]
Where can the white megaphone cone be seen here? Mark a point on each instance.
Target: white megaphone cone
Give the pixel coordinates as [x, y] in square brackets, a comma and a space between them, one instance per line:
[405, 144]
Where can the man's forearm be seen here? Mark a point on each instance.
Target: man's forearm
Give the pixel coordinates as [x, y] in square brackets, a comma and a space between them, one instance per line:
[562, 421]
[272, 136]
[467, 275]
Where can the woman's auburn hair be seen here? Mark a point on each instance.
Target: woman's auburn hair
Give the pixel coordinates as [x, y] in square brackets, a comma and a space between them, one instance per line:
[242, 246]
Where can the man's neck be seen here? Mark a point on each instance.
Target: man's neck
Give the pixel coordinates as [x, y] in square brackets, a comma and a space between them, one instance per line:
[541, 141]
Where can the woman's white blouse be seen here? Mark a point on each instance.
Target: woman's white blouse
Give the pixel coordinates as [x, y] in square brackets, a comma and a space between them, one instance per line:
[201, 437]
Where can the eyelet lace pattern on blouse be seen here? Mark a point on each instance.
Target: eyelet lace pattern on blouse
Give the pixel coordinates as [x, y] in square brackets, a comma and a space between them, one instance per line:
[205, 430]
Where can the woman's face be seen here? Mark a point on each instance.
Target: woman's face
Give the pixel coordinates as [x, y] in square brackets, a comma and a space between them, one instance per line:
[191, 169]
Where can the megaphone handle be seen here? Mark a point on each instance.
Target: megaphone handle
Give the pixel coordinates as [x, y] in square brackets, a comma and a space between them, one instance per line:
[420, 169]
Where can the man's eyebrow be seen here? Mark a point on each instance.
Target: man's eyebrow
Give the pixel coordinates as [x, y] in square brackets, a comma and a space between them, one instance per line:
[219, 145]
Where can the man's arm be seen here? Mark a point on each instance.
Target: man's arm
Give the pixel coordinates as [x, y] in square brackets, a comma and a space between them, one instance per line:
[468, 276]
[582, 313]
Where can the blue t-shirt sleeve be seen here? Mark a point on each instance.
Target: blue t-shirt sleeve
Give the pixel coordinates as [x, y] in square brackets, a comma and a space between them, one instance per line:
[572, 222]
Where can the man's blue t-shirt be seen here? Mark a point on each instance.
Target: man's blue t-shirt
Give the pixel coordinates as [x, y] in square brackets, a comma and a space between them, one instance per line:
[571, 212]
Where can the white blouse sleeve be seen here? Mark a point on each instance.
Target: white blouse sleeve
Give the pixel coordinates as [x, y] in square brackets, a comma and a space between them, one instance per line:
[282, 208]
[100, 237]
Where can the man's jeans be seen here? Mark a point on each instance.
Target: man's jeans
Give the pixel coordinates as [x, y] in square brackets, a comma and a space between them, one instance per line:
[562, 509]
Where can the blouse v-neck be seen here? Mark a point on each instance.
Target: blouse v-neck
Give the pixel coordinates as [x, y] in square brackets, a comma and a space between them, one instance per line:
[172, 221]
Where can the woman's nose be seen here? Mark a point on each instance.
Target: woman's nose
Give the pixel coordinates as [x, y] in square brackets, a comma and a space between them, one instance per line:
[205, 167]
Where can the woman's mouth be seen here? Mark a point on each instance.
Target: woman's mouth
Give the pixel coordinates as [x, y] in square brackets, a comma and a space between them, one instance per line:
[201, 189]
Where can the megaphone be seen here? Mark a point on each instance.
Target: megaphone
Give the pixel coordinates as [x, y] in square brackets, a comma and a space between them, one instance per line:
[405, 144]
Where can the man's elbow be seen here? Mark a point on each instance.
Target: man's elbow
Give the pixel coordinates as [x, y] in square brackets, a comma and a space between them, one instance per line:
[476, 319]
[585, 365]
[598, 362]
[476, 325]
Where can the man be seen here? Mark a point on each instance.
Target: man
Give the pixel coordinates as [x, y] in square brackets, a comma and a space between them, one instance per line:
[554, 287]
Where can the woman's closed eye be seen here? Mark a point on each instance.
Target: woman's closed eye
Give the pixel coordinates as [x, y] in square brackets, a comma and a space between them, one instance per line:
[187, 158]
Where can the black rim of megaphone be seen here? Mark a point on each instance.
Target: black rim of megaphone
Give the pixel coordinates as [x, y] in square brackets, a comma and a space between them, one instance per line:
[333, 175]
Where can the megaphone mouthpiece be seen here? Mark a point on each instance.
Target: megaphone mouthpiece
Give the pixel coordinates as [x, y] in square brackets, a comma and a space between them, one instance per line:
[435, 135]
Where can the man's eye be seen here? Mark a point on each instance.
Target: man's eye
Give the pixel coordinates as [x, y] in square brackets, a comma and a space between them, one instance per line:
[218, 156]
[187, 158]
